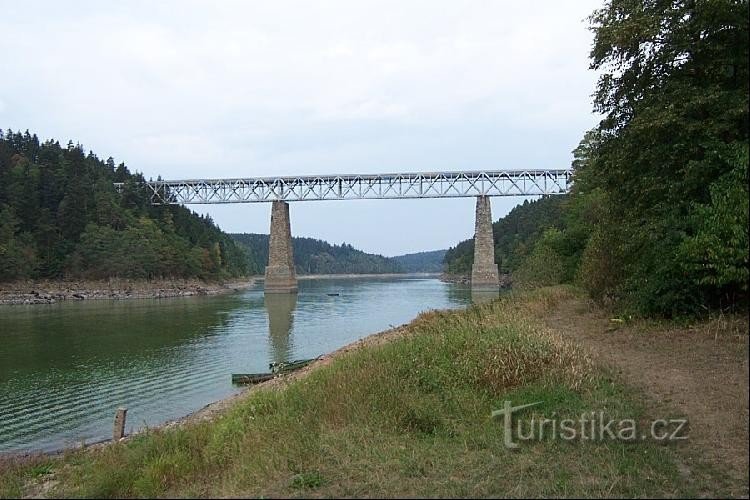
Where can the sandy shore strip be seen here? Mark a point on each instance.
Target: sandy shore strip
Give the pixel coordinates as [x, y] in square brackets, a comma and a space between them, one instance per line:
[49, 292]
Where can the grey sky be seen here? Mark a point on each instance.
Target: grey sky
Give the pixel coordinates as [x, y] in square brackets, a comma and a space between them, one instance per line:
[192, 89]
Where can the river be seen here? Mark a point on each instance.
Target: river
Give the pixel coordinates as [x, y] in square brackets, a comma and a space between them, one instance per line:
[65, 368]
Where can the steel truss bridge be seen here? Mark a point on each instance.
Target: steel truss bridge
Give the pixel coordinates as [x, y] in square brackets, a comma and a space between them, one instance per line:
[354, 187]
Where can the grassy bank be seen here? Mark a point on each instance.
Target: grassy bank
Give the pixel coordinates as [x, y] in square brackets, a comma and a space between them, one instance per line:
[408, 417]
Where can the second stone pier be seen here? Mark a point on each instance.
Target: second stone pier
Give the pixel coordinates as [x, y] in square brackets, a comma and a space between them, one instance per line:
[484, 275]
[280, 275]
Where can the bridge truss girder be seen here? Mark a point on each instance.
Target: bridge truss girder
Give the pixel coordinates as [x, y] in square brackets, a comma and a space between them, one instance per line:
[349, 187]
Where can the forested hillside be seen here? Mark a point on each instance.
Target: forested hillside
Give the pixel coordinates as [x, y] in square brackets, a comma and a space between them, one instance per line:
[657, 220]
[421, 262]
[312, 256]
[515, 236]
[60, 217]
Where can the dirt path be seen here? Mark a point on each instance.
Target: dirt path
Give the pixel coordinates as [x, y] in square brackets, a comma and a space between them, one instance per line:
[700, 372]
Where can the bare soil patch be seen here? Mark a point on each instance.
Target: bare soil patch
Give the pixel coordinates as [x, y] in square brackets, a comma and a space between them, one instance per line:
[698, 371]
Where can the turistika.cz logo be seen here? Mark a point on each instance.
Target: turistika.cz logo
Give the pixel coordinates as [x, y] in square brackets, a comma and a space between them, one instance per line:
[590, 426]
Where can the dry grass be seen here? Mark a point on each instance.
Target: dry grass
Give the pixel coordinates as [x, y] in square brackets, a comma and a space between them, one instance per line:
[405, 418]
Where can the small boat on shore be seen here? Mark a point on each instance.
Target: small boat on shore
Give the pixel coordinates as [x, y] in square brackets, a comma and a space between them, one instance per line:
[276, 370]
[288, 366]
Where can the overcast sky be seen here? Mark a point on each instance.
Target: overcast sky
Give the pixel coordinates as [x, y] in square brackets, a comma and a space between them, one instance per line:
[228, 89]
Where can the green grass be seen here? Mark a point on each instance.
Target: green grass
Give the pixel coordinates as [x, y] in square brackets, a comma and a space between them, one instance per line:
[14, 474]
[410, 417]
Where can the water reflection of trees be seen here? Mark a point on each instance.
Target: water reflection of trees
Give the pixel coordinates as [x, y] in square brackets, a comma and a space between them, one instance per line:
[280, 308]
[102, 331]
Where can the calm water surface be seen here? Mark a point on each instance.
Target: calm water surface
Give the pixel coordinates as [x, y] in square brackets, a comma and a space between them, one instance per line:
[65, 368]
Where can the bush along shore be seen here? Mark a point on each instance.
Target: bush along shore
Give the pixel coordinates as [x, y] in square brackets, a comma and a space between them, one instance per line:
[400, 414]
[49, 292]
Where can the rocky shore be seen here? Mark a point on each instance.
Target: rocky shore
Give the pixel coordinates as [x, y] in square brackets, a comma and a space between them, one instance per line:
[464, 279]
[366, 275]
[50, 292]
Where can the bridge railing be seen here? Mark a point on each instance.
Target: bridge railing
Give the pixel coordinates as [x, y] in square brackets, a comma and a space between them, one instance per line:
[350, 187]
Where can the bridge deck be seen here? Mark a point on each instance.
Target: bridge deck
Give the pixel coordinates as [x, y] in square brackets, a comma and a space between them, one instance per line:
[362, 186]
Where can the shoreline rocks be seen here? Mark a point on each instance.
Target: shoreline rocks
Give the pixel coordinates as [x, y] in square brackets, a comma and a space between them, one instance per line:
[51, 292]
[506, 281]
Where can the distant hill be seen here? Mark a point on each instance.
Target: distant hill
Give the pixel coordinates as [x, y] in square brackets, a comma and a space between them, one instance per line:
[515, 235]
[313, 256]
[421, 262]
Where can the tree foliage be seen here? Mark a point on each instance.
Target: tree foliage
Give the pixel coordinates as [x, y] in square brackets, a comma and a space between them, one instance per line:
[312, 256]
[670, 154]
[421, 262]
[60, 216]
[716, 255]
[657, 220]
[515, 236]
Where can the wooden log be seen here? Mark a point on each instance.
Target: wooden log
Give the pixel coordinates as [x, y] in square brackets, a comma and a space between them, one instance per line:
[276, 369]
[119, 429]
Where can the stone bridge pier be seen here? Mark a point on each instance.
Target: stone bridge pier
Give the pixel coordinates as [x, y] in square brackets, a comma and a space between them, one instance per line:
[280, 275]
[281, 278]
[484, 274]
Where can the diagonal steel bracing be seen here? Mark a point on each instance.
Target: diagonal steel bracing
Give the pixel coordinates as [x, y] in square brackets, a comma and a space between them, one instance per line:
[353, 187]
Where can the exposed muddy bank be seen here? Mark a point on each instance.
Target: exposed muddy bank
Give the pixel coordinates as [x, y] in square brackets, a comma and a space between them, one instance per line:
[355, 276]
[49, 292]
[52, 291]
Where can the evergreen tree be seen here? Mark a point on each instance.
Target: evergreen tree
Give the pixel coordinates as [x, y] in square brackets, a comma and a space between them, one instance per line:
[61, 216]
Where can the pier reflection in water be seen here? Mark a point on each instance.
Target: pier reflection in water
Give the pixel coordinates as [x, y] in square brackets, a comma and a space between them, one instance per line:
[280, 309]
